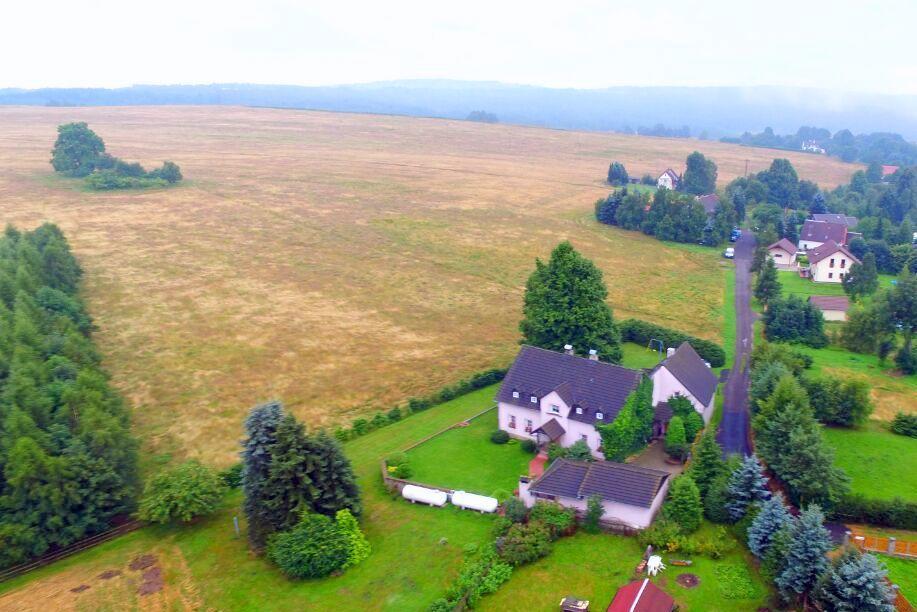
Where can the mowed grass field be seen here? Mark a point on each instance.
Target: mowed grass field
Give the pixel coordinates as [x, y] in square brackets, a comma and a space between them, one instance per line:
[338, 262]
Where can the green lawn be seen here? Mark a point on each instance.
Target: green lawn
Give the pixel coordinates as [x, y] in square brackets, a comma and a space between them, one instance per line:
[729, 316]
[793, 284]
[464, 458]
[903, 572]
[595, 566]
[417, 550]
[881, 465]
[636, 356]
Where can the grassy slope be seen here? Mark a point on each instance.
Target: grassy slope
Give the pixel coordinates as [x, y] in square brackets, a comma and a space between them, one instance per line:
[464, 458]
[636, 356]
[880, 464]
[903, 572]
[341, 262]
[593, 567]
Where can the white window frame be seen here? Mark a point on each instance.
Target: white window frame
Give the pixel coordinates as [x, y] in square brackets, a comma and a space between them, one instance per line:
[555, 409]
[579, 410]
[599, 416]
[534, 399]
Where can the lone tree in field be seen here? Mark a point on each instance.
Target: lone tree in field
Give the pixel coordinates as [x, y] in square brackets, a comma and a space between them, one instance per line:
[261, 427]
[565, 304]
[805, 560]
[862, 279]
[617, 175]
[773, 517]
[856, 583]
[767, 288]
[78, 150]
[747, 485]
[700, 175]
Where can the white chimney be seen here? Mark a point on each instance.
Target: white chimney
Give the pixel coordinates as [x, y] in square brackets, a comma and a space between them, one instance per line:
[593, 355]
[568, 349]
[670, 351]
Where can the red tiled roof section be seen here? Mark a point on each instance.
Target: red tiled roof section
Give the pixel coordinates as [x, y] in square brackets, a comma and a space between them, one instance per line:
[641, 596]
[827, 249]
[823, 231]
[830, 302]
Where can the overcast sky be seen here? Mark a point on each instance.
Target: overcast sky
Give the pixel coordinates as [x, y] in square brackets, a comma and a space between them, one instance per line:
[842, 44]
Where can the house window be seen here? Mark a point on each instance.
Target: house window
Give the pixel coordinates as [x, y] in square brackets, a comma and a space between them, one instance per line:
[555, 408]
[512, 421]
[579, 410]
[534, 400]
[843, 263]
[584, 438]
[599, 416]
[528, 426]
[516, 394]
[831, 264]
[830, 274]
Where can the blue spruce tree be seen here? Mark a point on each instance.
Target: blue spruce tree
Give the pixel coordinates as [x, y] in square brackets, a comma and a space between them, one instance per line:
[805, 559]
[747, 485]
[772, 518]
[261, 427]
[856, 583]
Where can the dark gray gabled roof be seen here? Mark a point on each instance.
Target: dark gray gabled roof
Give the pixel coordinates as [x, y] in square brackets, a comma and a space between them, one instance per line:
[823, 231]
[691, 371]
[826, 250]
[592, 386]
[830, 302]
[835, 218]
[552, 429]
[709, 201]
[615, 482]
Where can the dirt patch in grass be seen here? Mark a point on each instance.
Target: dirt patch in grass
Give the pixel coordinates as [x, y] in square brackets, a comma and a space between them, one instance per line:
[689, 581]
[152, 581]
[109, 574]
[142, 562]
[339, 262]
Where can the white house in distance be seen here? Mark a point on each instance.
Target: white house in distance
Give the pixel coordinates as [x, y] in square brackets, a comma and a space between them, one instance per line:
[830, 262]
[684, 372]
[816, 233]
[549, 396]
[832, 307]
[783, 252]
[668, 179]
[631, 495]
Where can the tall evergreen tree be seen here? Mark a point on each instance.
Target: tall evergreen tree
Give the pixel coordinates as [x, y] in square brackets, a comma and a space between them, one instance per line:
[617, 175]
[683, 506]
[747, 485]
[565, 304]
[767, 287]
[707, 463]
[335, 483]
[806, 557]
[773, 517]
[862, 279]
[261, 428]
[290, 488]
[855, 582]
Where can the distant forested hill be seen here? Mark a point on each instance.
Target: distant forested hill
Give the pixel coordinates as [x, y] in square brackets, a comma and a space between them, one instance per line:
[710, 111]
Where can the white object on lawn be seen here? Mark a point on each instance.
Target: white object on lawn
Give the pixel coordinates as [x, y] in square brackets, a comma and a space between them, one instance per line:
[432, 497]
[654, 565]
[470, 501]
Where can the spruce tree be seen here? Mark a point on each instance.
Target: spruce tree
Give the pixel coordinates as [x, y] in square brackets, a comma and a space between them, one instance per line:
[773, 517]
[747, 485]
[565, 304]
[335, 483]
[683, 506]
[261, 428]
[708, 462]
[805, 559]
[856, 583]
[767, 287]
[290, 489]
[758, 259]
[675, 444]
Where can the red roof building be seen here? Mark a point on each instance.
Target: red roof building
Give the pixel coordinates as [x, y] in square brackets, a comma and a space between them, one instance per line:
[641, 596]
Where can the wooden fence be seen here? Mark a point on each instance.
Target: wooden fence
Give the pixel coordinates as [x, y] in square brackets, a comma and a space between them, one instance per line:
[61, 553]
[881, 544]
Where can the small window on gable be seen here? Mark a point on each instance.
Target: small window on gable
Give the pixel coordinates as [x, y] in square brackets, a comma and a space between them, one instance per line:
[516, 394]
[599, 416]
[534, 400]
[555, 408]
[579, 410]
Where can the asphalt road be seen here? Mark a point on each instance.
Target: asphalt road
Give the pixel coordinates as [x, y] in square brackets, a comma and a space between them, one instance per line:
[733, 434]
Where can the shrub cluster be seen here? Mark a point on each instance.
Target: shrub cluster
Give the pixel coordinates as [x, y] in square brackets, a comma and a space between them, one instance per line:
[399, 466]
[480, 575]
[362, 426]
[641, 332]
[905, 424]
[499, 437]
[318, 545]
[896, 513]
[632, 428]
[666, 535]
[182, 493]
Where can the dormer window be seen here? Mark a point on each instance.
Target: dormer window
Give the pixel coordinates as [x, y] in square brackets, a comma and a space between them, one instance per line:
[534, 400]
[515, 394]
[579, 410]
[599, 416]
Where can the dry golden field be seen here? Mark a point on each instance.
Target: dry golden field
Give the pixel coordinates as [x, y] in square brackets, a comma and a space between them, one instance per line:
[340, 262]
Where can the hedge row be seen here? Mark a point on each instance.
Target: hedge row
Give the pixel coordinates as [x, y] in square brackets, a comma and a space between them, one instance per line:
[641, 332]
[895, 513]
[362, 426]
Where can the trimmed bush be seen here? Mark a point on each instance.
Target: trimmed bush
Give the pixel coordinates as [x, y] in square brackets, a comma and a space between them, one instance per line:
[529, 446]
[181, 494]
[312, 549]
[905, 425]
[555, 517]
[358, 545]
[499, 437]
[641, 332]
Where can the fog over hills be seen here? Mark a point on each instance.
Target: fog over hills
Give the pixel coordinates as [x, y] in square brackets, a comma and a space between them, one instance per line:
[716, 111]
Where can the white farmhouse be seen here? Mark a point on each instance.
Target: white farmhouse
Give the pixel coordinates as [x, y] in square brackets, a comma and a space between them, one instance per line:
[830, 262]
[668, 179]
[783, 252]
